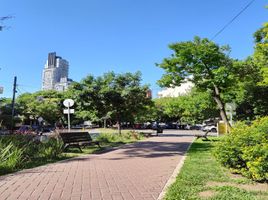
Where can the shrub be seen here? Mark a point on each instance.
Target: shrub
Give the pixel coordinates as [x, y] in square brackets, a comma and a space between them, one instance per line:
[123, 138]
[25, 142]
[108, 137]
[51, 149]
[10, 157]
[245, 149]
[17, 151]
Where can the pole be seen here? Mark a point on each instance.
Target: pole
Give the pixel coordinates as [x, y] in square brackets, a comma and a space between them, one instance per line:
[231, 118]
[69, 124]
[104, 123]
[13, 101]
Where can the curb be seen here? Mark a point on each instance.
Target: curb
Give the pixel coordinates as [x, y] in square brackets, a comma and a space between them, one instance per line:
[175, 173]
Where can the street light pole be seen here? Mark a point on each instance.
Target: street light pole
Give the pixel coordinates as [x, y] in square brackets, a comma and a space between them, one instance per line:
[13, 101]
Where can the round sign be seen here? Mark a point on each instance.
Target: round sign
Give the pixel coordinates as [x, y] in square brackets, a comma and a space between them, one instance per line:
[68, 103]
[40, 119]
[230, 106]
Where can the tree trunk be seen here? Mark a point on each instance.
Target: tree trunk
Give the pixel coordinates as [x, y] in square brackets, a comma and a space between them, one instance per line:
[119, 124]
[104, 123]
[217, 98]
[119, 127]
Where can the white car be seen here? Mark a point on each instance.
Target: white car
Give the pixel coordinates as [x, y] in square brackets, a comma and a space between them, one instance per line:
[210, 128]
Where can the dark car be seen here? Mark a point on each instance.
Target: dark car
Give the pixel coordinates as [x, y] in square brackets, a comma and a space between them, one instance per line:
[171, 125]
[25, 129]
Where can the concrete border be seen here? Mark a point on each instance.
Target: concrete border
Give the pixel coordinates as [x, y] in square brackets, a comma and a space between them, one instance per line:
[175, 173]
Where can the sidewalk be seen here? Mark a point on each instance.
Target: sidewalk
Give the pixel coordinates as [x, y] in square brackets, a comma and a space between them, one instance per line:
[137, 171]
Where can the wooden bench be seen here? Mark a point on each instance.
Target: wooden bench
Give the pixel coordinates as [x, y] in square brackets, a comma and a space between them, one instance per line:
[146, 134]
[77, 139]
[205, 135]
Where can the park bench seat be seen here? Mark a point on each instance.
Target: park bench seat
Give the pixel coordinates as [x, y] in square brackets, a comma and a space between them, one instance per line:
[205, 135]
[77, 139]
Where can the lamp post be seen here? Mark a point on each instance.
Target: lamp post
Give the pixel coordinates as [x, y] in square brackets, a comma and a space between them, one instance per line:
[13, 101]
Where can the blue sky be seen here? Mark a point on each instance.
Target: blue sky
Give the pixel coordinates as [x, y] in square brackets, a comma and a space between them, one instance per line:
[97, 36]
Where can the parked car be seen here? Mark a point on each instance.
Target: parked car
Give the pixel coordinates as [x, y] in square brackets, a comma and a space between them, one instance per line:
[147, 125]
[25, 129]
[210, 128]
[4, 131]
[47, 129]
[161, 125]
[138, 126]
[171, 125]
[196, 127]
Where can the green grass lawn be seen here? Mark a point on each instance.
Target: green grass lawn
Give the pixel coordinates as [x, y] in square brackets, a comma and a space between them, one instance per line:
[111, 130]
[202, 177]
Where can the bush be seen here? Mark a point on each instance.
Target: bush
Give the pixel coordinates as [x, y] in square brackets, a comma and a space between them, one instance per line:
[51, 149]
[17, 151]
[245, 149]
[10, 157]
[115, 137]
[108, 137]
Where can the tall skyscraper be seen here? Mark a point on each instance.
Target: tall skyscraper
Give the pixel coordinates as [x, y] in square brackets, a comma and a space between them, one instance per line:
[55, 74]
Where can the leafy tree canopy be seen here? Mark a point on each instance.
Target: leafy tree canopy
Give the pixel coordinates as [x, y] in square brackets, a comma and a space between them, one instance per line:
[204, 63]
[117, 96]
[192, 108]
[45, 104]
[261, 51]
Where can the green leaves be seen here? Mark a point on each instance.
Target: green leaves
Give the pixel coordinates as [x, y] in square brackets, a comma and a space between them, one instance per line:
[116, 95]
[245, 150]
[46, 104]
[191, 108]
[10, 157]
[205, 61]
[261, 52]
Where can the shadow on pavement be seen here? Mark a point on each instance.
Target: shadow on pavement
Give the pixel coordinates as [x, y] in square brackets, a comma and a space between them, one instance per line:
[150, 149]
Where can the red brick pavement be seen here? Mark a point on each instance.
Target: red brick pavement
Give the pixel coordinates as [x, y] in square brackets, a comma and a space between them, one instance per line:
[138, 171]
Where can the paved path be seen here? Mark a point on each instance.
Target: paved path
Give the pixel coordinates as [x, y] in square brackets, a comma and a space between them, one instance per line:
[137, 171]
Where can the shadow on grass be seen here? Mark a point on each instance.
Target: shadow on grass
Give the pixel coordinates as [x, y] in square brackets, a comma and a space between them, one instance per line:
[201, 146]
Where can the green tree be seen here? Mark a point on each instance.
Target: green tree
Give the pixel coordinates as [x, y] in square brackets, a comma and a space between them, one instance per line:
[45, 104]
[198, 106]
[169, 109]
[119, 96]
[251, 91]
[204, 63]
[88, 102]
[247, 92]
[261, 51]
[5, 113]
[191, 108]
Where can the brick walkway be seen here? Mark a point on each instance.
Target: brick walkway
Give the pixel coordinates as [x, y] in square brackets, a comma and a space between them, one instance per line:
[137, 171]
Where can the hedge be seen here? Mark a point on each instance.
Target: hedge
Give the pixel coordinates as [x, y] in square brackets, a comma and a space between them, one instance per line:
[245, 149]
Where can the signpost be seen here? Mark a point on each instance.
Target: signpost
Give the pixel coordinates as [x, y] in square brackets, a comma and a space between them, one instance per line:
[230, 111]
[68, 103]
[40, 119]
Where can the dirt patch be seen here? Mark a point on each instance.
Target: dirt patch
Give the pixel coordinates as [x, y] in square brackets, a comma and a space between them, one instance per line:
[221, 184]
[262, 187]
[207, 194]
[236, 176]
